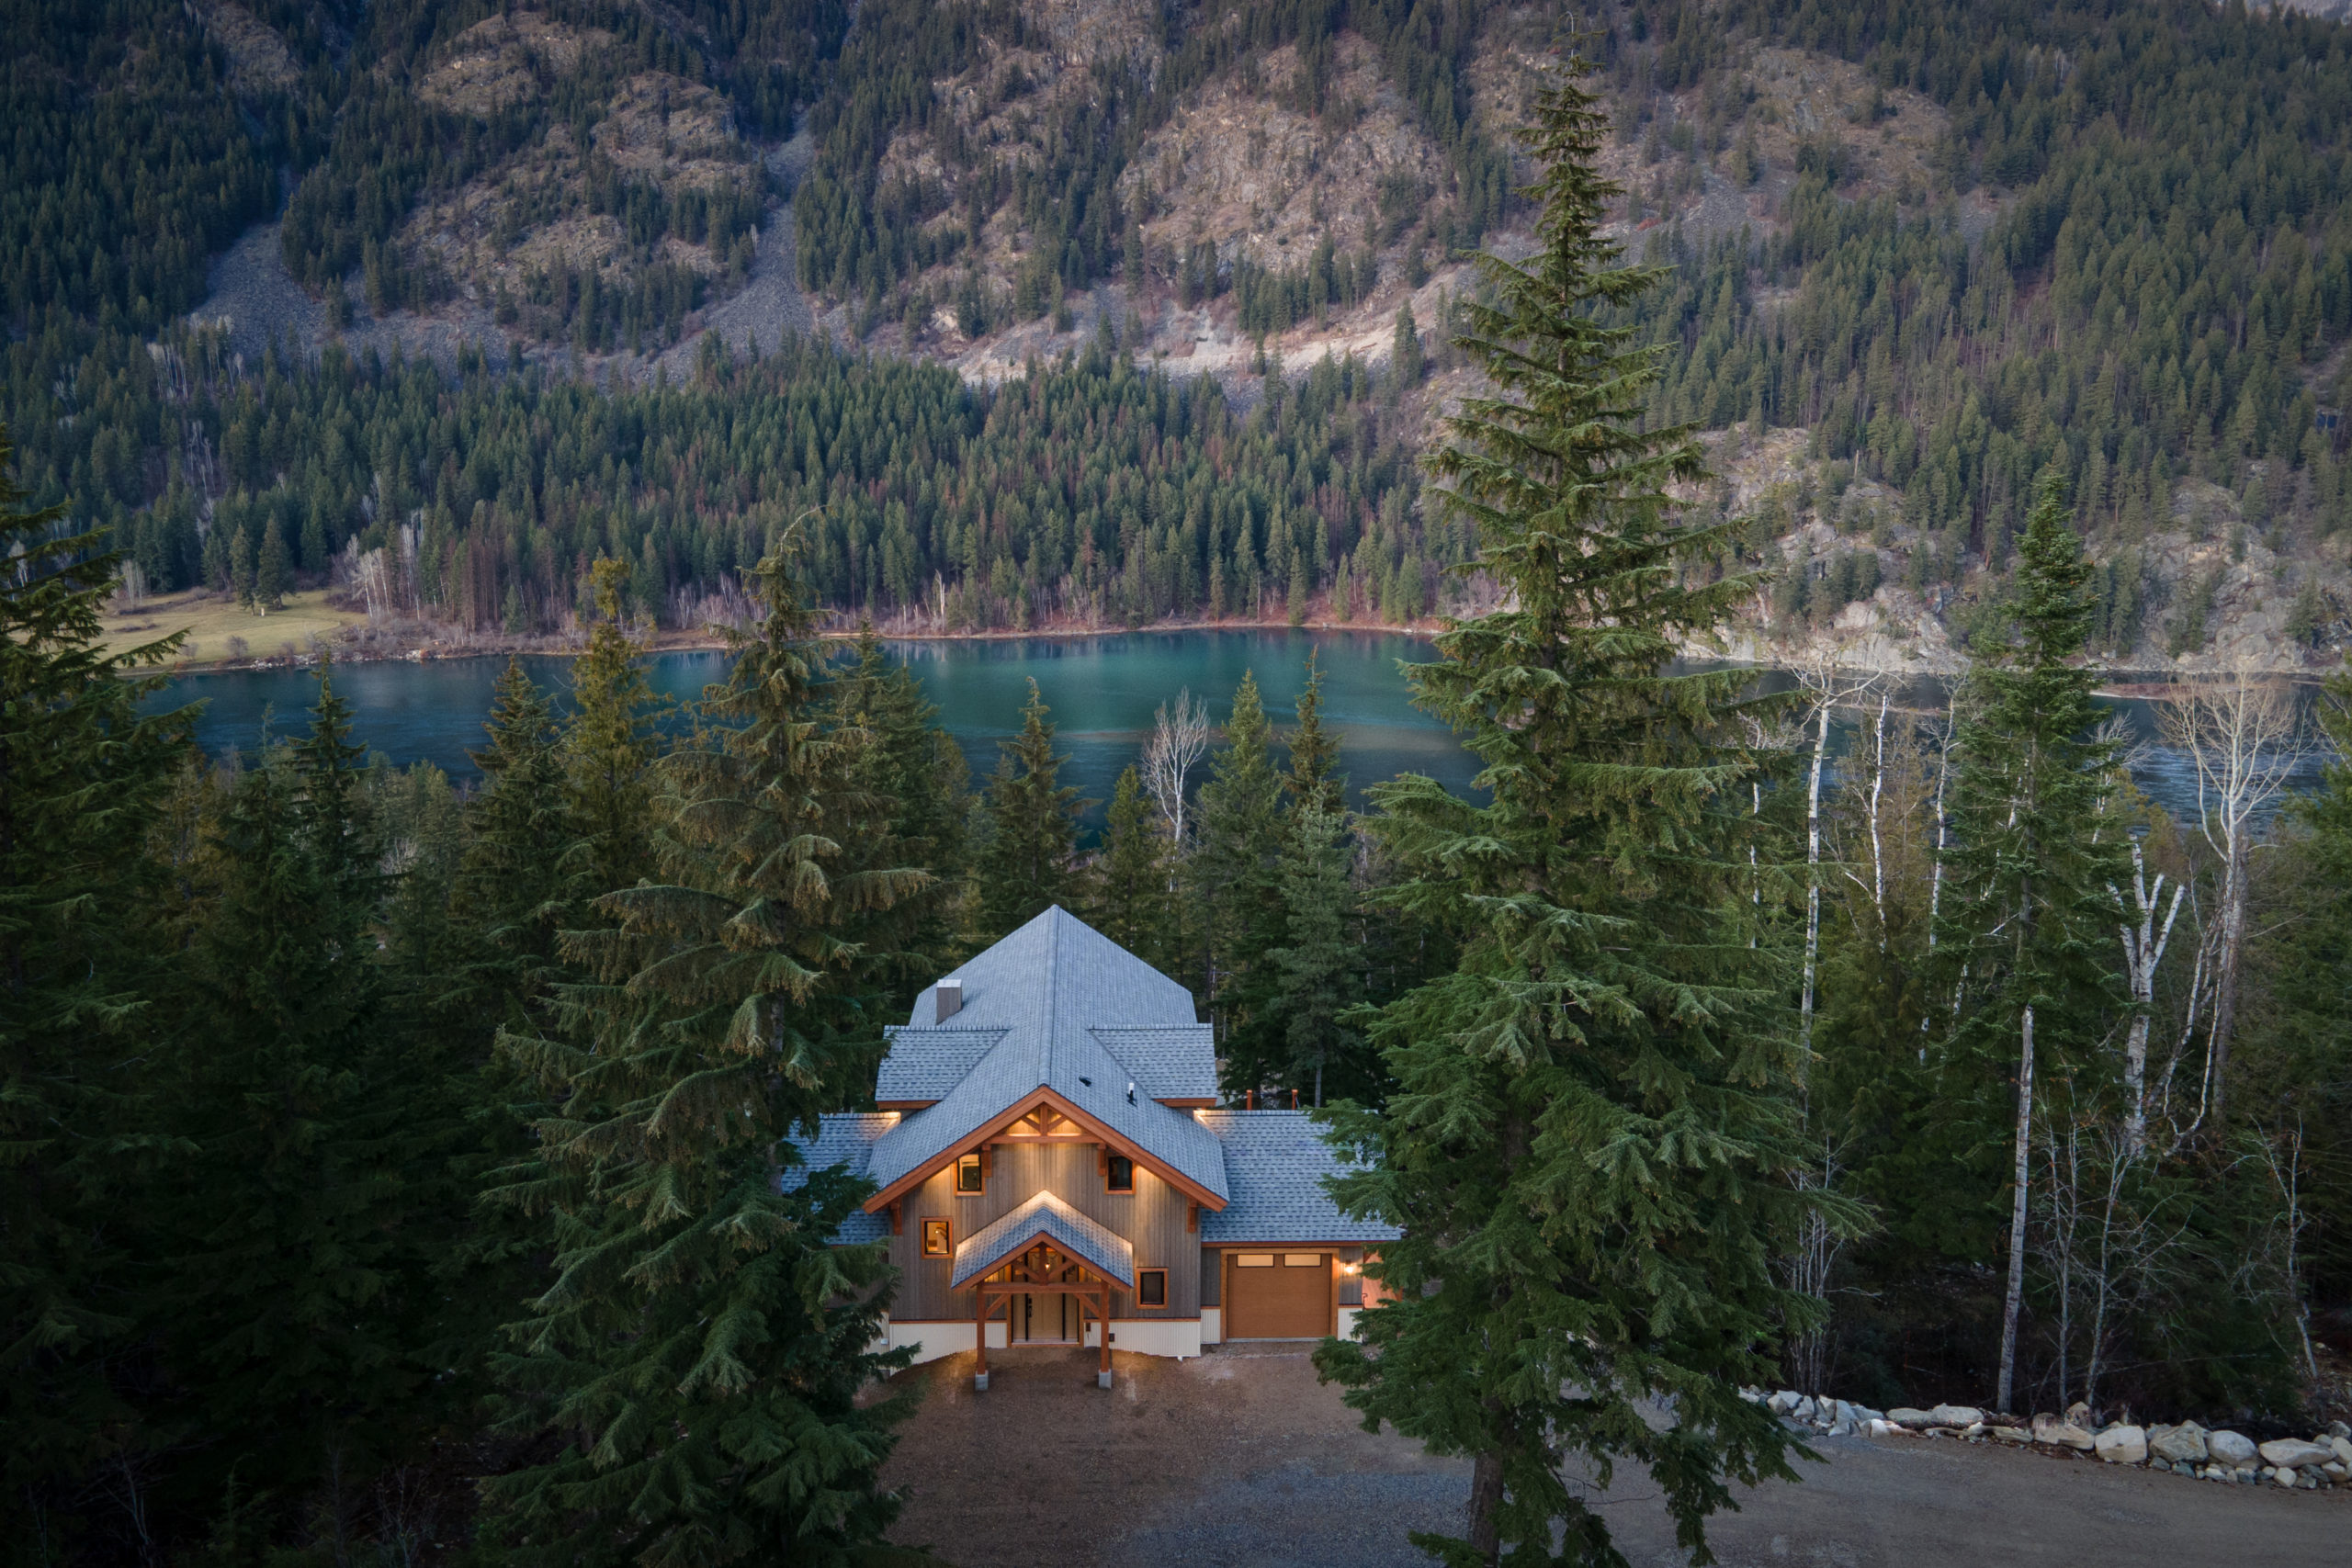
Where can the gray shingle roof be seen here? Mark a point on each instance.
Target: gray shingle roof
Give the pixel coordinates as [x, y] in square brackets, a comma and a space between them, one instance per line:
[1099, 1246]
[1167, 1064]
[1275, 1162]
[847, 1141]
[926, 1064]
[1049, 987]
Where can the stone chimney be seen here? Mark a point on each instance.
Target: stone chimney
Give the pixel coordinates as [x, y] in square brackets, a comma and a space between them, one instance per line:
[951, 998]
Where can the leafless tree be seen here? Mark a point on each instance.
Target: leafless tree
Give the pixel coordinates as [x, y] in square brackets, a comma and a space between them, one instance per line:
[1825, 691]
[2282, 1155]
[2144, 941]
[2245, 736]
[1178, 741]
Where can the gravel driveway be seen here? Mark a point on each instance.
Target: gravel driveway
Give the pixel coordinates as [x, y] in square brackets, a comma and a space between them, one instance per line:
[1240, 1460]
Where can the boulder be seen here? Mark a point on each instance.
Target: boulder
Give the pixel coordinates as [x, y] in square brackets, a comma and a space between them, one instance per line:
[1903, 1415]
[2009, 1433]
[2184, 1443]
[1783, 1402]
[1841, 1429]
[2293, 1453]
[1955, 1416]
[2343, 1447]
[1806, 1409]
[1883, 1427]
[2230, 1448]
[2339, 1429]
[2121, 1445]
[2048, 1428]
[1841, 1411]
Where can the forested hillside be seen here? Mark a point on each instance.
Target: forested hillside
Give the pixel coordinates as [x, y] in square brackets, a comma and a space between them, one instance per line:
[1919, 259]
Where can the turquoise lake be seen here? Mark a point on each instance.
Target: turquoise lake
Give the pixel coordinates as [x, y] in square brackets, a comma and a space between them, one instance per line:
[1103, 690]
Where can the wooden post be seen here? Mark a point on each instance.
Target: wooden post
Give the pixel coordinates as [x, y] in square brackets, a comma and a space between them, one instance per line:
[1103, 1377]
[980, 1335]
[1191, 1216]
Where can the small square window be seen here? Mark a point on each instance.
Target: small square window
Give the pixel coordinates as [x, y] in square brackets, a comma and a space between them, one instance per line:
[935, 1238]
[1122, 1174]
[1151, 1287]
[969, 1180]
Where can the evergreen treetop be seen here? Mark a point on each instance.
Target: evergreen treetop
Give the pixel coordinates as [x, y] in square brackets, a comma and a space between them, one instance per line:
[1029, 861]
[1595, 1114]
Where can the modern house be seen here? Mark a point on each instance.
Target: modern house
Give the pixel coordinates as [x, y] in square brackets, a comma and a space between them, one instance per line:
[1051, 1159]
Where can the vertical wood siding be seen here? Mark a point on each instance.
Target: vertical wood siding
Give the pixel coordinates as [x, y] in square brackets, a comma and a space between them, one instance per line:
[1151, 1218]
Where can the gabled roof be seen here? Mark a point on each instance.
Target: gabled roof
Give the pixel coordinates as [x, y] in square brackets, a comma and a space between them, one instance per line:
[847, 1141]
[924, 1065]
[1044, 1218]
[1053, 989]
[1167, 1064]
[1275, 1162]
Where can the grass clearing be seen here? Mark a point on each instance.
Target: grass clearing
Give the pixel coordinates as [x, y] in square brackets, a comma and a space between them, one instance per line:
[218, 630]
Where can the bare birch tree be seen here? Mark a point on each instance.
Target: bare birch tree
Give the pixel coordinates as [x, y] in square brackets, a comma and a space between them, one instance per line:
[2144, 940]
[1179, 741]
[2245, 740]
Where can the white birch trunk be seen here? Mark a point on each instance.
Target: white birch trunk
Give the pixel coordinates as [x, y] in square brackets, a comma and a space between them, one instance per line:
[2023, 1173]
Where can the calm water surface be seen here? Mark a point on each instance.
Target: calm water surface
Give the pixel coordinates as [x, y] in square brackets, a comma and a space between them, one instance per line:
[1103, 690]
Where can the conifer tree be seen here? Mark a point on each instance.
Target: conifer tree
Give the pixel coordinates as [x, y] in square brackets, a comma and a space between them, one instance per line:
[1029, 861]
[83, 778]
[1131, 904]
[904, 757]
[1236, 874]
[608, 747]
[308, 1219]
[273, 572]
[702, 1350]
[1313, 978]
[510, 890]
[2027, 920]
[1594, 1113]
[1314, 779]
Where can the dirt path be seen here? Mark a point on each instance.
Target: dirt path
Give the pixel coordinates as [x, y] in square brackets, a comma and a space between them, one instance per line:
[1241, 1458]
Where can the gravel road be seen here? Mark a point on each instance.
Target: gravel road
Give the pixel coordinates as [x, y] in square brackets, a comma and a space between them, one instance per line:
[1240, 1460]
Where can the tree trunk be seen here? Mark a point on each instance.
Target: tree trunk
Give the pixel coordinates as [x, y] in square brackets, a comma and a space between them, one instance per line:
[2016, 1211]
[1486, 1507]
[2225, 979]
[1812, 898]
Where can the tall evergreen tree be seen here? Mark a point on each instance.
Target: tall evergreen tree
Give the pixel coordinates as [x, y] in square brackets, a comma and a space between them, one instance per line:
[1594, 1113]
[702, 1350]
[1314, 779]
[83, 780]
[1029, 860]
[298, 1298]
[510, 890]
[904, 757]
[1131, 903]
[2027, 919]
[1313, 974]
[1236, 874]
[608, 750]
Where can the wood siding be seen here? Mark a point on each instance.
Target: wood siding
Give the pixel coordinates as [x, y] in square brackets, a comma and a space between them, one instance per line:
[1151, 1218]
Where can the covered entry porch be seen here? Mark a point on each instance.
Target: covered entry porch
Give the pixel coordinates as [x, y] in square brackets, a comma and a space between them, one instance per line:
[1042, 1252]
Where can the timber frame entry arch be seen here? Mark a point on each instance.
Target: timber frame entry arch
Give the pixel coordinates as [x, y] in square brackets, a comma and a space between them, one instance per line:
[1044, 1269]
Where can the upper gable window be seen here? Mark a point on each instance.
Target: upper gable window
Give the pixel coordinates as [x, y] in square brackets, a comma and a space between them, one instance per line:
[1119, 1174]
[971, 1181]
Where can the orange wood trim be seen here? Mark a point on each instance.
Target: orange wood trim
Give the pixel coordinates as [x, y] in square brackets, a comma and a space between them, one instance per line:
[897, 1218]
[1191, 1216]
[1090, 1127]
[905, 1105]
[947, 1238]
[1174, 1104]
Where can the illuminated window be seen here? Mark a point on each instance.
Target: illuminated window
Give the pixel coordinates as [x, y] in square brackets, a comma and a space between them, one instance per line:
[935, 1238]
[1254, 1260]
[1151, 1287]
[969, 1179]
[1122, 1177]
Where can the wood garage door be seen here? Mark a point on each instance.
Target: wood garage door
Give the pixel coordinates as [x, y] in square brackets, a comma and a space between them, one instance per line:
[1279, 1296]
